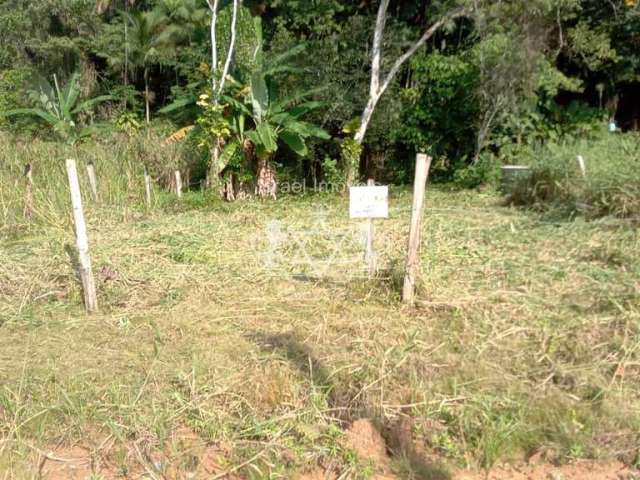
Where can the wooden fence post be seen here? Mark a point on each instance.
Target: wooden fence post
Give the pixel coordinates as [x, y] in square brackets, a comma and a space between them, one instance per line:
[582, 167]
[423, 163]
[93, 182]
[178, 184]
[82, 242]
[370, 254]
[28, 194]
[147, 187]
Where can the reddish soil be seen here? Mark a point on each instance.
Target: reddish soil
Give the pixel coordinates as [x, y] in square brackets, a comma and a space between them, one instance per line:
[365, 439]
[205, 461]
[317, 474]
[67, 464]
[582, 470]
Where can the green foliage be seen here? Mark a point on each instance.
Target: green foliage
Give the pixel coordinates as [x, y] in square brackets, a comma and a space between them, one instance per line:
[484, 84]
[440, 106]
[484, 172]
[333, 174]
[351, 151]
[49, 35]
[269, 117]
[129, 123]
[249, 37]
[592, 48]
[212, 122]
[60, 108]
[13, 86]
[536, 126]
[611, 185]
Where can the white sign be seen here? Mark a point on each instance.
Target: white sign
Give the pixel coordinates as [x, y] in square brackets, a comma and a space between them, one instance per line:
[369, 202]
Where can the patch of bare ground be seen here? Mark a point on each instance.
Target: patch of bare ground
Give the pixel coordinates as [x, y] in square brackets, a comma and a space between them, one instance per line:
[187, 456]
[193, 459]
[580, 470]
[370, 446]
[316, 474]
[66, 464]
[365, 439]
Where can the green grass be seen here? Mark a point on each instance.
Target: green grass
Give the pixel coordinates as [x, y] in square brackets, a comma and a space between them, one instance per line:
[524, 337]
[611, 186]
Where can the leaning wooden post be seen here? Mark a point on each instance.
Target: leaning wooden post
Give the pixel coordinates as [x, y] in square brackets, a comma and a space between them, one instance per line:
[582, 167]
[93, 182]
[178, 184]
[423, 163]
[147, 187]
[370, 252]
[28, 194]
[82, 242]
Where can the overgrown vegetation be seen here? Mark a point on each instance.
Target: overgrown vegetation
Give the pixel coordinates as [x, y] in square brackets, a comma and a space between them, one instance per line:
[468, 93]
[610, 187]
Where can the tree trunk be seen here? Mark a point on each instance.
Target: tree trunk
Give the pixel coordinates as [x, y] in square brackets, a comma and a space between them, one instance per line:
[380, 83]
[213, 6]
[214, 166]
[146, 95]
[232, 43]
[266, 184]
[366, 118]
[126, 51]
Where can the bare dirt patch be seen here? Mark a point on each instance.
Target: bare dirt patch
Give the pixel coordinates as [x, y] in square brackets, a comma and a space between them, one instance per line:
[67, 464]
[190, 458]
[365, 439]
[317, 474]
[582, 470]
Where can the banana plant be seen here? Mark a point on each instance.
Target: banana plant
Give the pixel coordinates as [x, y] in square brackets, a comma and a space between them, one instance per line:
[273, 120]
[60, 107]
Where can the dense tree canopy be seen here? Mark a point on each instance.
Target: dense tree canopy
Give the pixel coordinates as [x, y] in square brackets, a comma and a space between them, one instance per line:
[485, 79]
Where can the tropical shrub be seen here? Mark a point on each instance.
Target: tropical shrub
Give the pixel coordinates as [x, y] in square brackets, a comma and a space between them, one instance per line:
[440, 108]
[61, 108]
[13, 84]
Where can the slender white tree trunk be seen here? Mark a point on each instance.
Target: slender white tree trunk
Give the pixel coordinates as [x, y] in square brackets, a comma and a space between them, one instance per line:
[216, 89]
[376, 61]
[213, 6]
[379, 84]
[232, 44]
[146, 95]
[366, 118]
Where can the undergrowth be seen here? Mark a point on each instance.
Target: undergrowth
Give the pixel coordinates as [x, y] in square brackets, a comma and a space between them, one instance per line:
[250, 332]
[611, 186]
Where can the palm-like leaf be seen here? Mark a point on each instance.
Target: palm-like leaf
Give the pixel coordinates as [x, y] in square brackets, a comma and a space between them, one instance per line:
[295, 142]
[277, 63]
[59, 107]
[38, 112]
[259, 96]
[229, 151]
[268, 136]
[89, 104]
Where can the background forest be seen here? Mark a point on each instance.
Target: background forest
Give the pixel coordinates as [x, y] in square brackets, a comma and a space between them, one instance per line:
[505, 78]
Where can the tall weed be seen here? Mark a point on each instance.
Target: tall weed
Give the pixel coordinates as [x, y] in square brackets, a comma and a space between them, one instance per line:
[611, 185]
[119, 160]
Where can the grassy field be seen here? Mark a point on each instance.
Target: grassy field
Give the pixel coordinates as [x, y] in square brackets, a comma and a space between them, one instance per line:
[241, 340]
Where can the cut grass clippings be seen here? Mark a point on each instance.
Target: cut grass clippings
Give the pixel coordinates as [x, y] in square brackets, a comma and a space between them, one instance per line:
[244, 338]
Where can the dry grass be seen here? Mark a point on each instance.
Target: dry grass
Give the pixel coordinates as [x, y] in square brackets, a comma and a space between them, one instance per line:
[525, 339]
